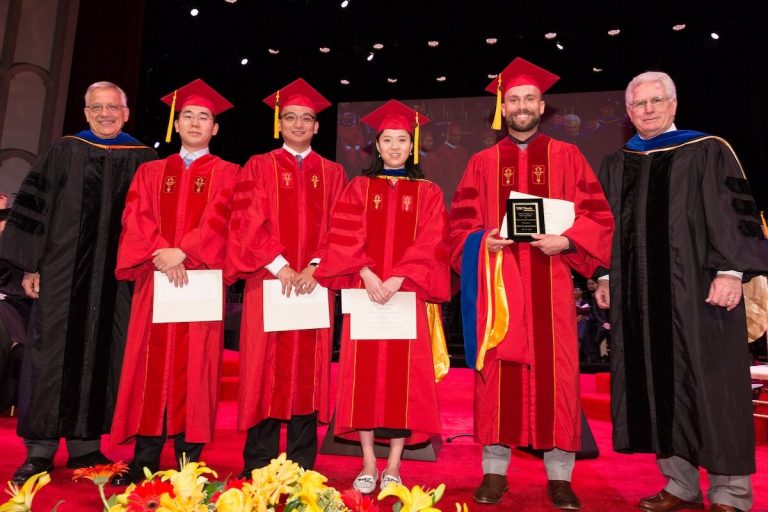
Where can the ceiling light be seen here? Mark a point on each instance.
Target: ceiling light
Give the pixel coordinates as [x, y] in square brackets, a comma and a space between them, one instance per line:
[440, 79]
[244, 62]
[378, 46]
[491, 40]
[550, 35]
[392, 80]
[369, 58]
[344, 82]
[559, 45]
[715, 36]
[492, 75]
[433, 44]
[324, 49]
[194, 12]
[614, 32]
[597, 70]
[272, 51]
[678, 27]
[344, 4]
[231, 1]
[156, 145]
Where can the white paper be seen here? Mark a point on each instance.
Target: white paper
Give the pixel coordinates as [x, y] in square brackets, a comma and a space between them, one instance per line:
[559, 214]
[395, 320]
[201, 300]
[294, 313]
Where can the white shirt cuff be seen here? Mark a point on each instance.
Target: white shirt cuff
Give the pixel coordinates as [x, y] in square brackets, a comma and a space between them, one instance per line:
[734, 273]
[314, 260]
[276, 265]
[606, 277]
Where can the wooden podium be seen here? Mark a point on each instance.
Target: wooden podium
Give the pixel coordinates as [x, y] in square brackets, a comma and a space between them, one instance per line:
[333, 445]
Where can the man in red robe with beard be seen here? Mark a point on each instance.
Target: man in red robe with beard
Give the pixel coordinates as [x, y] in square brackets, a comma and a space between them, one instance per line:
[526, 386]
[283, 199]
[175, 220]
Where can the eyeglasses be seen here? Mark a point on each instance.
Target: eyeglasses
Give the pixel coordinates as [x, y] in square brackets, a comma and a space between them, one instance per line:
[111, 108]
[290, 117]
[656, 101]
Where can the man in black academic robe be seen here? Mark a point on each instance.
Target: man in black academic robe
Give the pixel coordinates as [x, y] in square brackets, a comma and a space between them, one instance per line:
[687, 234]
[62, 232]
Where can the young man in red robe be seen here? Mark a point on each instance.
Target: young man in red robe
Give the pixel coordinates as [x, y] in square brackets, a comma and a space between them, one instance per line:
[175, 220]
[526, 386]
[281, 209]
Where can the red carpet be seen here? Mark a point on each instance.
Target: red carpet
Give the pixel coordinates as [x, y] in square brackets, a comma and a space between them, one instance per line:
[612, 482]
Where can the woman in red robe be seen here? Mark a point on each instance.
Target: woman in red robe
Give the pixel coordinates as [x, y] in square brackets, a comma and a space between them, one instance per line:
[388, 234]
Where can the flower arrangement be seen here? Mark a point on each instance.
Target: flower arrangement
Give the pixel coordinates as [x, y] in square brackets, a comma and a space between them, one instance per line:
[281, 486]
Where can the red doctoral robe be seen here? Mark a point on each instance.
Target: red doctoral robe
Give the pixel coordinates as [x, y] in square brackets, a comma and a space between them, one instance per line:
[397, 228]
[281, 209]
[535, 368]
[176, 366]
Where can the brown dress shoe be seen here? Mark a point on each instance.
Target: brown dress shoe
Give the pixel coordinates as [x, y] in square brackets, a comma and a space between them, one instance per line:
[492, 489]
[664, 501]
[562, 496]
[719, 507]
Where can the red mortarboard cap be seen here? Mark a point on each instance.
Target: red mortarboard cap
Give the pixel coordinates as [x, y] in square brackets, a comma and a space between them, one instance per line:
[394, 115]
[518, 72]
[298, 92]
[196, 93]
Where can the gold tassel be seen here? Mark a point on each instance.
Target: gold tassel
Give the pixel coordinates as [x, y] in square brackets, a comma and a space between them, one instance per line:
[497, 116]
[277, 115]
[170, 119]
[440, 358]
[765, 224]
[416, 141]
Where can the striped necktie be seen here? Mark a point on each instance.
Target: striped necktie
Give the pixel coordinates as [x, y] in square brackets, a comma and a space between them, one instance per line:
[299, 159]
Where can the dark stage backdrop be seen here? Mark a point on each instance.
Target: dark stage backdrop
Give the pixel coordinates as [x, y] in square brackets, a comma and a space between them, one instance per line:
[459, 127]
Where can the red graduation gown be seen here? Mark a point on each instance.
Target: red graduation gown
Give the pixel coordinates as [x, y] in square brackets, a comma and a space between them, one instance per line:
[174, 367]
[279, 209]
[396, 230]
[540, 404]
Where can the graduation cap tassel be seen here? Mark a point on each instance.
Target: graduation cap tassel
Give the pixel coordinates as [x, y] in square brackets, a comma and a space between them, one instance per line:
[277, 116]
[170, 119]
[416, 141]
[497, 116]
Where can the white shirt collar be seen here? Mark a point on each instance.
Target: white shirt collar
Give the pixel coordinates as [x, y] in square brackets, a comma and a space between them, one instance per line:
[184, 153]
[670, 129]
[294, 152]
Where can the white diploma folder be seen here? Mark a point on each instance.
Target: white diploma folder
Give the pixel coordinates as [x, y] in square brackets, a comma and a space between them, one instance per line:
[559, 214]
[201, 300]
[395, 320]
[294, 313]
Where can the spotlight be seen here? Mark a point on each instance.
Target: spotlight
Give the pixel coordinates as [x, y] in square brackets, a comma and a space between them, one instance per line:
[678, 27]
[244, 62]
[433, 44]
[559, 46]
[715, 36]
[273, 51]
[550, 35]
[369, 58]
[344, 82]
[491, 40]
[324, 49]
[392, 80]
[344, 4]
[156, 145]
[378, 46]
[194, 12]
[492, 75]
[597, 70]
[614, 32]
[440, 79]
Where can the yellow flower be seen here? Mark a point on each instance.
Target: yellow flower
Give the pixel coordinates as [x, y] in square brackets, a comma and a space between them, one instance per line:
[21, 499]
[415, 500]
[234, 500]
[188, 482]
[311, 485]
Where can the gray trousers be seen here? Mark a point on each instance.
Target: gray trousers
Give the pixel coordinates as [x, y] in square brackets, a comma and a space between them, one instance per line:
[558, 463]
[683, 482]
[46, 448]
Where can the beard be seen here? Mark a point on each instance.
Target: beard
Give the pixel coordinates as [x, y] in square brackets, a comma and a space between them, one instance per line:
[532, 123]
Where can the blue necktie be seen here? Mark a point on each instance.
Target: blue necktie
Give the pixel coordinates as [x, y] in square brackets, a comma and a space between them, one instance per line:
[299, 159]
[188, 161]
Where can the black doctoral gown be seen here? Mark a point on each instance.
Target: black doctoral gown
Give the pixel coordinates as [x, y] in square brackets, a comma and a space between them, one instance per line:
[65, 224]
[680, 367]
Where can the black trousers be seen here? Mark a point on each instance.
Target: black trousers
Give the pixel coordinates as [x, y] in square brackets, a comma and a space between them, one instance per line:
[263, 442]
[149, 448]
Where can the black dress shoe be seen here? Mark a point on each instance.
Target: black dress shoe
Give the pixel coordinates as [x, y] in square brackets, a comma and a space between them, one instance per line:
[88, 460]
[134, 474]
[31, 467]
[492, 489]
[562, 496]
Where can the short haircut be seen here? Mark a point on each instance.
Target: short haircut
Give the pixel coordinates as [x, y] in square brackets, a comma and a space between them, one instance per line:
[106, 85]
[651, 76]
